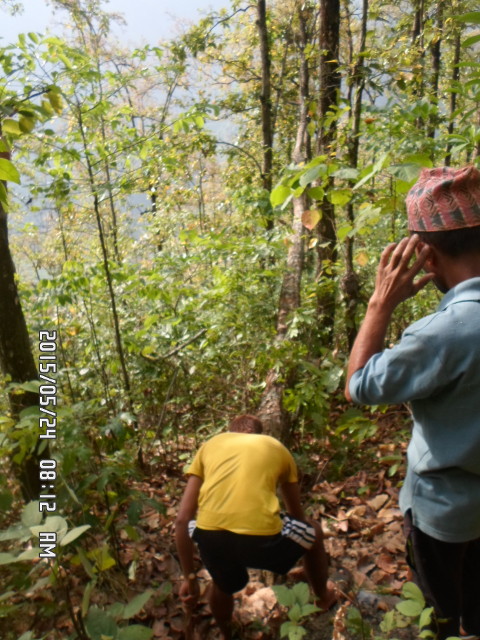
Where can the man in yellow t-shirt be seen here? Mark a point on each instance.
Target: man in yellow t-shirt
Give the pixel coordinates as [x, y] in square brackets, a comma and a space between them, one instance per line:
[232, 490]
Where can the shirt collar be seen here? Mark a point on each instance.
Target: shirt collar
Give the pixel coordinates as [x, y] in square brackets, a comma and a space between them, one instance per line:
[468, 290]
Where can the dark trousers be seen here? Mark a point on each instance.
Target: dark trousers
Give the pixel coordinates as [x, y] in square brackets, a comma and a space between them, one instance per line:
[449, 576]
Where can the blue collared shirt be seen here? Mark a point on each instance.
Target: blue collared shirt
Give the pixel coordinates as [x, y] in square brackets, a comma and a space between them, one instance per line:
[436, 367]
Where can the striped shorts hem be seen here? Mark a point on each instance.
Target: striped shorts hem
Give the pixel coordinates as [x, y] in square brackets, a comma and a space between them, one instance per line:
[300, 532]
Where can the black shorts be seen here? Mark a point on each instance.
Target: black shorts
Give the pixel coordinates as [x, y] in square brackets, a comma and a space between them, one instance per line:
[227, 555]
[448, 574]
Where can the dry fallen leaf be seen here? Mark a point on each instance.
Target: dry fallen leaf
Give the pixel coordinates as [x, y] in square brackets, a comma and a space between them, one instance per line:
[378, 502]
[257, 605]
[386, 562]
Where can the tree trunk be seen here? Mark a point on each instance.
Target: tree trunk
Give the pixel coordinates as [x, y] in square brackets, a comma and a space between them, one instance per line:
[277, 421]
[266, 103]
[329, 92]
[16, 357]
[453, 94]
[435, 49]
[417, 41]
[106, 266]
[350, 284]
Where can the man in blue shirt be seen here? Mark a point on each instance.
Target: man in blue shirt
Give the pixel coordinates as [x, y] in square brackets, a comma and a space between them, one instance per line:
[436, 367]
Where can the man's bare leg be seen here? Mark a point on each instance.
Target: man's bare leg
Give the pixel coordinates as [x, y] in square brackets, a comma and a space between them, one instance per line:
[221, 605]
[316, 567]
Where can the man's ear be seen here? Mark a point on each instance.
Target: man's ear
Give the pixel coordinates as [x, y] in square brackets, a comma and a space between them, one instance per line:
[431, 263]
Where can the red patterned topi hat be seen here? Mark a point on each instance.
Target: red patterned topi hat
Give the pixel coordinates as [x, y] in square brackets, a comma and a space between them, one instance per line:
[444, 199]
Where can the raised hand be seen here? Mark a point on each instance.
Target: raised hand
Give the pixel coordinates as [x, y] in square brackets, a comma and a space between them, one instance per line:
[395, 281]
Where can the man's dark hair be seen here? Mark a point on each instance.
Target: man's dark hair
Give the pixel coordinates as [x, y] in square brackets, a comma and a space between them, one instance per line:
[246, 424]
[455, 242]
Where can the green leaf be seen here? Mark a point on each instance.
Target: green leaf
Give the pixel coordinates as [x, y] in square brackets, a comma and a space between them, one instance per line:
[57, 523]
[407, 172]
[8, 171]
[87, 565]
[403, 187]
[339, 196]
[388, 622]
[55, 100]
[134, 512]
[32, 386]
[6, 498]
[378, 166]
[298, 192]
[425, 617]
[344, 231]
[99, 624]
[279, 195]
[86, 596]
[470, 18]
[16, 532]
[312, 174]
[135, 632]
[66, 61]
[419, 158]
[308, 609]
[409, 608]
[3, 196]
[102, 558]
[295, 613]
[346, 174]
[302, 593]
[284, 595]
[316, 193]
[6, 595]
[151, 320]
[7, 558]
[116, 610]
[292, 631]
[29, 554]
[11, 127]
[136, 604]
[411, 591]
[470, 41]
[31, 515]
[74, 534]
[26, 124]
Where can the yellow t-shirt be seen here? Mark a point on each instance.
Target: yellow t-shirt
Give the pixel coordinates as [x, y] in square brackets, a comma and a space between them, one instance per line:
[240, 473]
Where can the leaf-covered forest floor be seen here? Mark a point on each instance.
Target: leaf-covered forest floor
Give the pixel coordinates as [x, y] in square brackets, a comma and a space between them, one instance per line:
[363, 536]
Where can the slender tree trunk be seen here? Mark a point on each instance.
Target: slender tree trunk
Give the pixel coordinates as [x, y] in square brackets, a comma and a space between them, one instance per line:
[476, 153]
[106, 265]
[436, 53]
[271, 410]
[266, 103]
[350, 283]
[108, 178]
[328, 100]
[453, 94]
[16, 357]
[417, 41]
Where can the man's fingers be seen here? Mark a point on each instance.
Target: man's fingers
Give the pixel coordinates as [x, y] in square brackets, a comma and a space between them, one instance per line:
[406, 249]
[422, 282]
[399, 254]
[420, 261]
[386, 253]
